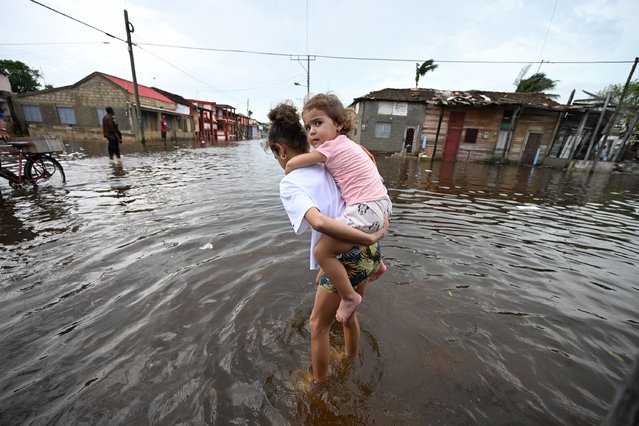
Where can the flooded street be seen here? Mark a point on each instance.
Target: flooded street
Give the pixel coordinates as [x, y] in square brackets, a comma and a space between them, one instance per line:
[172, 290]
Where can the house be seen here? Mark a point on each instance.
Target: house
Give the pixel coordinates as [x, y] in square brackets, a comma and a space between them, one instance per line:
[206, 124]
[458, 125]
[75, 112]
[179, 122]
[5, 112]
[580, 129]
[227, 123]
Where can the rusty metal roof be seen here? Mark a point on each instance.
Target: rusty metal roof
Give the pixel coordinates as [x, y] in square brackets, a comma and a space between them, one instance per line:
[461, 97]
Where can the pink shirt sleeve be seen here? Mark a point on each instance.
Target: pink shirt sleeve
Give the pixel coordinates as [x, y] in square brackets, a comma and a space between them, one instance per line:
[355, 173]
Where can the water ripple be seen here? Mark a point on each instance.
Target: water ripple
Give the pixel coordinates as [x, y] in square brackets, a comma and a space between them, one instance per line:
[170, 289]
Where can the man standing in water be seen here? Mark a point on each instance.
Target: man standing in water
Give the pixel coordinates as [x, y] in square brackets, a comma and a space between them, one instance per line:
[111, 131]
[164, 128]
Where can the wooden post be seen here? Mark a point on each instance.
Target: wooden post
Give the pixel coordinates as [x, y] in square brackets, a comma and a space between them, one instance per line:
[511, 130]
[594, 133]
[622, 150]
[578, 141]
[560, 119]
[439, 126]
[614, 115]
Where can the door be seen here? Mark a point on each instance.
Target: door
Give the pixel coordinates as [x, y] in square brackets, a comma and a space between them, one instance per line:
[408, 139]
[455, 127]
[501, 143]
[532, 145]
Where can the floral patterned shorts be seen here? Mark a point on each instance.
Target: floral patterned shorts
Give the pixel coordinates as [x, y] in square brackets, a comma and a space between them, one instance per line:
[360, 262]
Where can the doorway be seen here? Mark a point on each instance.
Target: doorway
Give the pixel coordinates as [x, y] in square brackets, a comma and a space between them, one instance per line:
[409, 139]
[453, 137]
[532, 145]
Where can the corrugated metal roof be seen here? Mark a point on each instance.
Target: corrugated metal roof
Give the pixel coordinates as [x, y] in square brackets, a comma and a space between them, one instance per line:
[143, 91]
[460, 97]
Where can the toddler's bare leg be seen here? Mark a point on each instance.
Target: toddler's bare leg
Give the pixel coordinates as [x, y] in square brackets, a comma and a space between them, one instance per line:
[380, 271]
[325, 251]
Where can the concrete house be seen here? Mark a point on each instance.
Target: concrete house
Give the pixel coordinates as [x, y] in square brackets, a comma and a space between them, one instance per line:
[457, 125]
[5, 94]
[75, 112]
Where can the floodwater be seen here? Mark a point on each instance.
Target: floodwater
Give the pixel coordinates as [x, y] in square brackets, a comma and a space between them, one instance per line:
[171, 290]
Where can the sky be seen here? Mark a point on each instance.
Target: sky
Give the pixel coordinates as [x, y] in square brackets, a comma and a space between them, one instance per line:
[250, 53]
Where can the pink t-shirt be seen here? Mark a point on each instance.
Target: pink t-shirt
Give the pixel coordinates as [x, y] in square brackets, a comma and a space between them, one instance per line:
[355, 173]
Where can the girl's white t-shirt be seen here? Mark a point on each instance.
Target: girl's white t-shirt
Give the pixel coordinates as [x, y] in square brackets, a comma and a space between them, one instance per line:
[305, 188]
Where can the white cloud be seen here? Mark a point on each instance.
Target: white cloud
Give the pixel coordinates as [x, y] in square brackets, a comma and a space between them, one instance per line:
[504, 30]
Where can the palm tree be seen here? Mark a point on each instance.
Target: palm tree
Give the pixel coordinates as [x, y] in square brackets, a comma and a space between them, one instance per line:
[536, 83]
[422, 69]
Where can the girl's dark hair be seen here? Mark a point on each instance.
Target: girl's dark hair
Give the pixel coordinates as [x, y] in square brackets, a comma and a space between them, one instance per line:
[333, 107]
[286, 129]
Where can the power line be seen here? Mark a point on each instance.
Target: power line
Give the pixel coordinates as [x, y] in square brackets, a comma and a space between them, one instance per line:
[350, 58]
[355, 58]
[543, 44]
[55, 43]
[77, 20]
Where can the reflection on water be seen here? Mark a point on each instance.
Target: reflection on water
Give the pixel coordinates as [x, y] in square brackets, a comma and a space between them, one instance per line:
[170, 289]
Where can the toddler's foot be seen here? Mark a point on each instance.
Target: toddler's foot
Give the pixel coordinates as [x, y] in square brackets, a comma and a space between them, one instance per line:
[347, 307]
[380, 271]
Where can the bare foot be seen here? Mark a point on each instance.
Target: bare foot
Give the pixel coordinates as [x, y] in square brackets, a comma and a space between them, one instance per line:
[347, 307]
[380, 271]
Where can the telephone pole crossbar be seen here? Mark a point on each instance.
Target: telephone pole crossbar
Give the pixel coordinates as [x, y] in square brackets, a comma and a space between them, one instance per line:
[308, 59]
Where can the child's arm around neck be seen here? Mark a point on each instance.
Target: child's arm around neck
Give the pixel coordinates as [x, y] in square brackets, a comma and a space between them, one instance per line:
[304, 160]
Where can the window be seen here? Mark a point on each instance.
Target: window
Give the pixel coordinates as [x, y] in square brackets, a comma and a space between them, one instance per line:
[471, 136]
[66, 115]
[101, 112]
[32, 113]
[385, 108]
[382, 130]
[392, 108]
[400, 108]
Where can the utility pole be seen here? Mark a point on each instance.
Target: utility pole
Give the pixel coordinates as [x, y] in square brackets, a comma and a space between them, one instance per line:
[309, 58]
[308, 76]
[138, 110]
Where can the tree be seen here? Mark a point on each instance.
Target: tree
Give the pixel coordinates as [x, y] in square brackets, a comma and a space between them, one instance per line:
[22, 78]
[630, 101]
[536, 83]
[422, 69]
[632, 96]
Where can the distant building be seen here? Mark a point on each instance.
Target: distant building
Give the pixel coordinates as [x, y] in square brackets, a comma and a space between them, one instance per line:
[457, 125]
[5, 94]
[474, 125]
[75, 112]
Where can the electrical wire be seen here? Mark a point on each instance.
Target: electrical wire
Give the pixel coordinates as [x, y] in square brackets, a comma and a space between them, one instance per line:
[55, 43]
[543, 44]
[351, 58]
[77, 20]
[355, 58]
